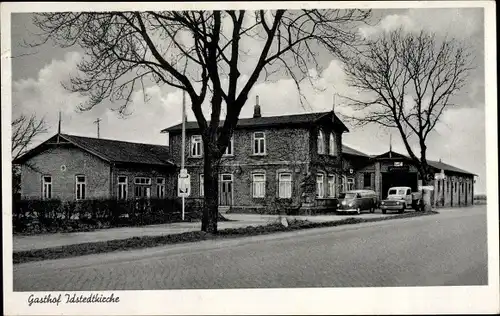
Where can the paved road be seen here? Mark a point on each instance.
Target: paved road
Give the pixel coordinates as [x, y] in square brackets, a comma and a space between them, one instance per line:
[445, 249]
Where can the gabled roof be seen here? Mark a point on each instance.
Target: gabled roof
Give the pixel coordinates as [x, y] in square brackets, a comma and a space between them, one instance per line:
[110, 150]
[435, 164]
[270, 121]
[353, 152]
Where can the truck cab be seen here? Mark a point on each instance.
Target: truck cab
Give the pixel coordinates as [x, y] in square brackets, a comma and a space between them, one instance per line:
[398, 198]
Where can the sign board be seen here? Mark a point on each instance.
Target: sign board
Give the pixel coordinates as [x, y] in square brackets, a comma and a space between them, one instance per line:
[398, 168]
[398, 163]
[184, 185]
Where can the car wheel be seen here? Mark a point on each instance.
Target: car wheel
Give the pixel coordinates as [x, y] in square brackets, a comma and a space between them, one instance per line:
[402, 210]
[384, 211]
[372, 209]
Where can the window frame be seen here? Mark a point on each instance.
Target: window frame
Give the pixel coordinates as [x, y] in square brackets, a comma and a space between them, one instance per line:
[287, 182]
[196, 140]
[320, 184]
[261, 182]
[349, 182]
[45, 185]
[332, 184]
[257, 140]
[124, 185]
[332, 145]
[321, 141]
[148, 182]
[80, 187]
[229, 146]
[160, 188]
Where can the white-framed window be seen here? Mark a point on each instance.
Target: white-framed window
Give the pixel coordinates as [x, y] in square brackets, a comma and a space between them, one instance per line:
[142, 187]
[202, 183]
[142, 181]
[196, 146]
[320, 185]
[332, 146]
[229, 148]
[332, 185]
[321, 142]
[285, 185]
[81, 186]
[46, 187]
[122, 187]
[259, 143]
[259, 185]
[160, 188]
[350, 184]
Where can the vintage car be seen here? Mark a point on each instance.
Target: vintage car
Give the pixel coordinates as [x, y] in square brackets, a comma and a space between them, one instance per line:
[399, 199]
[357, 201]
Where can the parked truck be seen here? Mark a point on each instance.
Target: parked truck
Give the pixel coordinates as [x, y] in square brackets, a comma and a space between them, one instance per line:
[401, 198]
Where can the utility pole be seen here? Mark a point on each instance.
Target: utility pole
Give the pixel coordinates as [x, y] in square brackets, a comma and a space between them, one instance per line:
[97, 122]
[183, 149]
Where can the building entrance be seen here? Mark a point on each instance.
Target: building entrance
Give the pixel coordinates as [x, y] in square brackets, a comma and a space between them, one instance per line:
[398, 179]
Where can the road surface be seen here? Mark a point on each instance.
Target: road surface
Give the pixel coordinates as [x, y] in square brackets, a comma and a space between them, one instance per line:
[445, 249]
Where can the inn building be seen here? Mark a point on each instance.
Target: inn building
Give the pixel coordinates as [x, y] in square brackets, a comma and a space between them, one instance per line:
[297, 162]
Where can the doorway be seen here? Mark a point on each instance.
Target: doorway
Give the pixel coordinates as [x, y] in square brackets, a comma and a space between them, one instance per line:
[398, 179]
[226, 190]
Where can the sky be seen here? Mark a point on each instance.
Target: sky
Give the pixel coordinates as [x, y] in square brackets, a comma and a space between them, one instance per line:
[458, 139]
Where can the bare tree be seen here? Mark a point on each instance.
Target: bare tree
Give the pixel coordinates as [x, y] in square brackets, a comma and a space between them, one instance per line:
[408, 81]
[124, 49]
[24, 131]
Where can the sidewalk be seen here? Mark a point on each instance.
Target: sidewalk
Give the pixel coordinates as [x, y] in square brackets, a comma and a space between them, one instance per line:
[22, 243]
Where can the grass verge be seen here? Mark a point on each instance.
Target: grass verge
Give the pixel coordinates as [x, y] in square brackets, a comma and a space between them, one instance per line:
[153, 241]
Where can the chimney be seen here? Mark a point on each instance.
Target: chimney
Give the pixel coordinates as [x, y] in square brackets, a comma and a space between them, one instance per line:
[256, 109]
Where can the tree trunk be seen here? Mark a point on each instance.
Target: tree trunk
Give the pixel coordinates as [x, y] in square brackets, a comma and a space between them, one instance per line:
[211, 188]
[426, 196]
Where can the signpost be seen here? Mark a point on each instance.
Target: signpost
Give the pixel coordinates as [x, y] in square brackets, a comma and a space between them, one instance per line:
[184, 183]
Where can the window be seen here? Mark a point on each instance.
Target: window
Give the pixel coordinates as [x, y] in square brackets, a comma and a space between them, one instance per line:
[122, 188]
[332, 145]
[321, 142]
[259, 143]
[259, 185]
[46, 187]
[320, 189]
[196, 148]
[142, 187]
[331, 186]
[142, 181]
[80, 187]
[229, 149]
[160, 188]
[202, 190]
[350, 184]
[285, 186]
[367, 180]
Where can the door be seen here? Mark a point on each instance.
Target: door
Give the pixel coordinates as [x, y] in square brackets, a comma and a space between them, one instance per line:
[226, 190]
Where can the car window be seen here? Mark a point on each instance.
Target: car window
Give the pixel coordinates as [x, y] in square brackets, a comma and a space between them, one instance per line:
[358, 195]
[408, 192]
[392, 192]
[350, 195]
[401, 192]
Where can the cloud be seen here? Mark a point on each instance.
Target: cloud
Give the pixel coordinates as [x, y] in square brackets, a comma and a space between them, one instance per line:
[458, 22]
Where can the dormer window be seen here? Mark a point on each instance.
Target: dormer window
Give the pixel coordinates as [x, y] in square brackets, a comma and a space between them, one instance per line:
[332, 145]
[321, 142]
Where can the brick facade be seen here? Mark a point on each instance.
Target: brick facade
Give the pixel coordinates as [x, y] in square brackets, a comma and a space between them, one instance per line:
[291, 150]
[63, 164]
